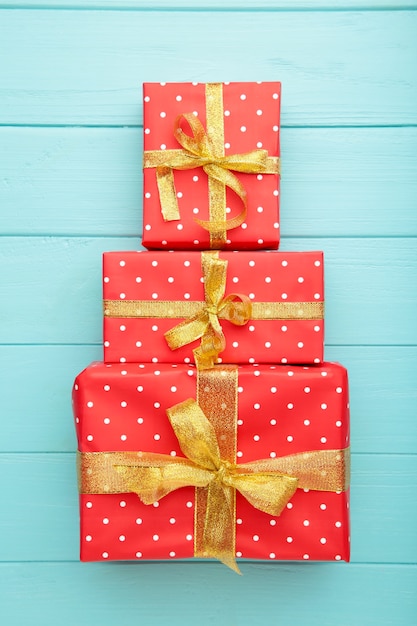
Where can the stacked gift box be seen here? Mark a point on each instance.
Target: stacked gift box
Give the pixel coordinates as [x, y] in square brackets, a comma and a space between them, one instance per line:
[213, 427]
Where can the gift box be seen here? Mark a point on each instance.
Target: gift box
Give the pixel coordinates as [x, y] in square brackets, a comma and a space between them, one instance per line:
[211, 165]
[282, 437]
[230, 307]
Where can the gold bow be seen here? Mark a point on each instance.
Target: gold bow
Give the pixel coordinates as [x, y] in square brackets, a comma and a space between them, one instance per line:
[206, 149]
[268, 484]
[236, 308]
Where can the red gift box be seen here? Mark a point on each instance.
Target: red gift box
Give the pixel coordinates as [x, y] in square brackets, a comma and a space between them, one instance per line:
[278, 411]
[232, 131]
[148, 293]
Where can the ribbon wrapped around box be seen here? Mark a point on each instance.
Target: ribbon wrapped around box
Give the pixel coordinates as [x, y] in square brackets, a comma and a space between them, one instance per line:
[211, 165]
[211, 307]
[227, 475]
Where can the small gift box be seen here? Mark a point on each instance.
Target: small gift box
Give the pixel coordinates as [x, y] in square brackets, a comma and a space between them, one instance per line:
[248, 461]
[211, 165]
[245, 307]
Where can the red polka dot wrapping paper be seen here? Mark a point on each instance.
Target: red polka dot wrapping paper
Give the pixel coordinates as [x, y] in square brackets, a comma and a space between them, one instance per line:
[281, 410]
[164, 276]
[251, 114]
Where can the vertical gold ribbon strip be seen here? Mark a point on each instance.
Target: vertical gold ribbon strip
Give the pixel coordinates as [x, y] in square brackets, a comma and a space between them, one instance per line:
[217, 397]
[217, 189]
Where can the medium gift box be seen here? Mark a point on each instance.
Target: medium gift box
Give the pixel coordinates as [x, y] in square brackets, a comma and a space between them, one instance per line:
[211, 165]
[233, 461]
[230, 307]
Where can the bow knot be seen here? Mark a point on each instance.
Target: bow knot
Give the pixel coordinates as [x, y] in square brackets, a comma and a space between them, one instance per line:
[214, 309]
[153, 476]
[222, 473]
[205, 324]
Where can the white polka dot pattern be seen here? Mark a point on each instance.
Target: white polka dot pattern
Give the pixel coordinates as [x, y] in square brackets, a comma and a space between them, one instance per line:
[250, 122]
[267, 277]
[119, 526]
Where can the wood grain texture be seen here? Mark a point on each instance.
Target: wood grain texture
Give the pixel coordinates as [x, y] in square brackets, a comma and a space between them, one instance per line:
[88, 181]
[36, 387]
[192, 5]
[204, 593]
[86, 67]
[51, 288]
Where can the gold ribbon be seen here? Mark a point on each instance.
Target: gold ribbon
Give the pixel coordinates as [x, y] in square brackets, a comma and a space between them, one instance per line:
[205, 148]
[267, 484]
[169, 309]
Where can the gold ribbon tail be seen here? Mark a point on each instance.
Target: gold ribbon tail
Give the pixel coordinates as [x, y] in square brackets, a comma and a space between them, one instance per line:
[167, 193]
[219, 525]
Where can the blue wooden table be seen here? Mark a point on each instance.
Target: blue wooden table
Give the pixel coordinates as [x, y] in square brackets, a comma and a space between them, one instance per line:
[70, 188]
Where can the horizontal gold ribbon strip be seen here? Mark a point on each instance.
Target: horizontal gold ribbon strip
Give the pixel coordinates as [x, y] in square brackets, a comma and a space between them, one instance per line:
[176, 157]
[177, 309]
[318, 470]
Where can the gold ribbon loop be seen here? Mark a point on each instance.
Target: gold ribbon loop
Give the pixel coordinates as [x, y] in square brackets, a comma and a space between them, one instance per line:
[268, 484]
[195, 434]
[205, 324]
[206, 149]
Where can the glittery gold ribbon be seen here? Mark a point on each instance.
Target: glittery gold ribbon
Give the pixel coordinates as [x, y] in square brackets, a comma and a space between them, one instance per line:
[210, 465]
[174, 309]
[205, 148]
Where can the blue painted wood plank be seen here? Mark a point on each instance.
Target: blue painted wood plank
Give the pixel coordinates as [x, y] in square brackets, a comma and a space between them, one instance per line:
[36, 390]
[88, 181]
[337, 68]
[383, 396]
[207, 594]
[36, 384]
[258, 5]
[40, 508]
[51, 288]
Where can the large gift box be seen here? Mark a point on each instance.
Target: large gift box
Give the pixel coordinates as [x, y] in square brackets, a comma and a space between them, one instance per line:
[249, 461]
[211, 165]
[230, 307]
